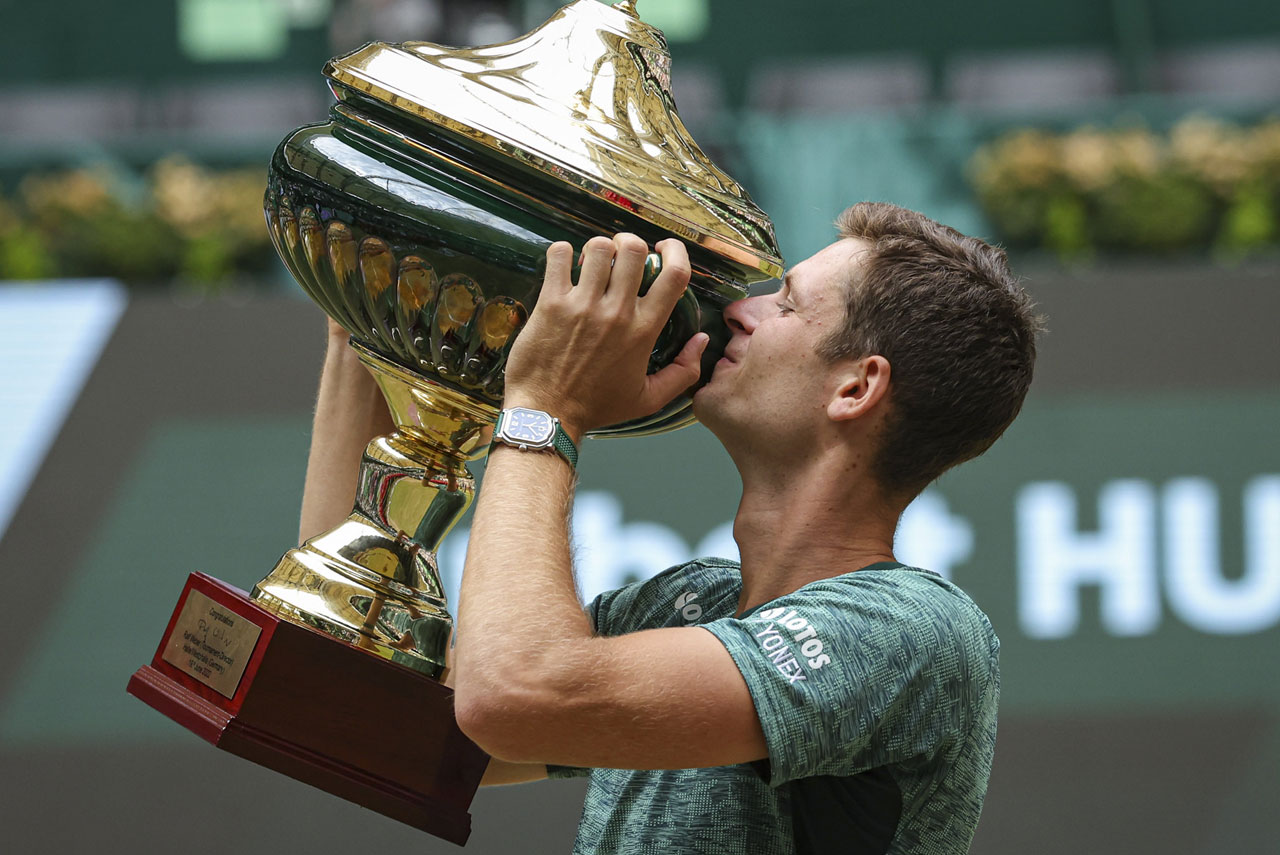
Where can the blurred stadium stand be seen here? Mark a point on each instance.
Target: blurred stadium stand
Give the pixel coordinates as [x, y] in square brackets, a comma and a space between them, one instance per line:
[1243, 71]
[839, 86]
[1040, 79]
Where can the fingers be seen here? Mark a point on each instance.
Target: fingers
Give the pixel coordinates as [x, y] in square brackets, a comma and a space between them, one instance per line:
[613, 269]
[663, 385]
[672, 281]
[630, 253]
[597, 267]
[559, 265]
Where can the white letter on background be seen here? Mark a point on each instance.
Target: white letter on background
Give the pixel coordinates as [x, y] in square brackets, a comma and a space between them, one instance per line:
[1197, 590]
[1054, 559]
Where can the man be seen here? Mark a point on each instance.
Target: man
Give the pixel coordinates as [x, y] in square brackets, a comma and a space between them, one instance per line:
[829, 698]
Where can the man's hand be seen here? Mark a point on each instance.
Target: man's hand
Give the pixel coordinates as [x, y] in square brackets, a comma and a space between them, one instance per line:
[584, 352]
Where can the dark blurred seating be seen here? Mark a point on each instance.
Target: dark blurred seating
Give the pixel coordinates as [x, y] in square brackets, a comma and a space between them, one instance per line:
[36, 112]
[1241, 71]
[1021, 79]
[262, 107]
[839, 85]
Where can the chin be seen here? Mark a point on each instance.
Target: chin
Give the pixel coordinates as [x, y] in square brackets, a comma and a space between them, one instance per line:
[707, 408]
[702, 404]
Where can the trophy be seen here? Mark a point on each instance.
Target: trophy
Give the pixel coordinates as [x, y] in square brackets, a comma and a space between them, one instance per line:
[418, 217]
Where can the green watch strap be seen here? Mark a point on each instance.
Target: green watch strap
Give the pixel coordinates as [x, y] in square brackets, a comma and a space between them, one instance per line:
[565, 446]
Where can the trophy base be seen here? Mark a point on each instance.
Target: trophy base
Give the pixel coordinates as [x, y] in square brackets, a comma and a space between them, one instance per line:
[315, 709]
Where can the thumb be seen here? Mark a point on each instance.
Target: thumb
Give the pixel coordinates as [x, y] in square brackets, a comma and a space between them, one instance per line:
[663, 385]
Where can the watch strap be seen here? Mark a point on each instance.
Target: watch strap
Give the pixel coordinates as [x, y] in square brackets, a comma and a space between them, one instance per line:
[561, 443]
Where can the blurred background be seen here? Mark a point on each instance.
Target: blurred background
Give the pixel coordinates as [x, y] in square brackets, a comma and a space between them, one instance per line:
[157, 370]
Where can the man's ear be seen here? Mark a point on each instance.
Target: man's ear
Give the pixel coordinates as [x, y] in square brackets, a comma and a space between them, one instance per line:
[859, 388]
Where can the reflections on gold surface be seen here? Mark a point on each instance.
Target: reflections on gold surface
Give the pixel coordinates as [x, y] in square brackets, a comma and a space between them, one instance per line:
[434, 422]
[499, 320]
[312, 239]
[377, 266]
[585, 99]
[342, 252]
[444, 327]
[459, 296]
[373, 580]
[418, 286]
[289, 227]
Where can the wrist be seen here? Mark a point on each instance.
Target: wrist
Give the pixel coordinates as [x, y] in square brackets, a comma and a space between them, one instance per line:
[338, 342]
[532, 429]
[570, 419]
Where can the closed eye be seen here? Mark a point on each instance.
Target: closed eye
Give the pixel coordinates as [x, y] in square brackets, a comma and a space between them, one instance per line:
[784, 309]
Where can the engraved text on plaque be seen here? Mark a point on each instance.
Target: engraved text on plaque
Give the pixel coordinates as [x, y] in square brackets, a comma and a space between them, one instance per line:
[211, 643]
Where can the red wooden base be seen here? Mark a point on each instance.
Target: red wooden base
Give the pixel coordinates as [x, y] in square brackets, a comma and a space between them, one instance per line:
[325, 713]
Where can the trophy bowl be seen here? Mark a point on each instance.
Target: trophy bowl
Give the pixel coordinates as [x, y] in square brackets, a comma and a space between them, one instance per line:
[418, 217]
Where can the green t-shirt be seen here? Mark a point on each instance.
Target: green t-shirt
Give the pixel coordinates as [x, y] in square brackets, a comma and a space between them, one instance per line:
[877, 694]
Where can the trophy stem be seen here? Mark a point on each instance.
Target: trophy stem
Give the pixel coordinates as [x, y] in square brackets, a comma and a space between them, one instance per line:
[373, 581]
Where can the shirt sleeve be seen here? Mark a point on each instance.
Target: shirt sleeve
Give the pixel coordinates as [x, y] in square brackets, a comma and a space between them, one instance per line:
[850, 674]
[556, 773]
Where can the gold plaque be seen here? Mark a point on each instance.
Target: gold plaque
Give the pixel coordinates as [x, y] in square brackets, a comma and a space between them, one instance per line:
[211, 643]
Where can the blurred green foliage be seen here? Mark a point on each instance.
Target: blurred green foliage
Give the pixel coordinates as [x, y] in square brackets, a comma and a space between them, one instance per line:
[181, 224]
[1205, 185]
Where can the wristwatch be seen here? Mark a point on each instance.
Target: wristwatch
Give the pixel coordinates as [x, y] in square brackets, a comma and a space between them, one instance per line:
[534, 430]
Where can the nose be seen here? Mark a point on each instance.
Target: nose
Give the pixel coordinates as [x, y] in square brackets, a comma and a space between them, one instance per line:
[743, 315]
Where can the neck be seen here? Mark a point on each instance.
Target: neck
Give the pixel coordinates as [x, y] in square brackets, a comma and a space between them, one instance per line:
[809, 522]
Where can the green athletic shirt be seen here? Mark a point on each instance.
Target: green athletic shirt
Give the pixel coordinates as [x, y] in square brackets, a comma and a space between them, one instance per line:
[877, 694]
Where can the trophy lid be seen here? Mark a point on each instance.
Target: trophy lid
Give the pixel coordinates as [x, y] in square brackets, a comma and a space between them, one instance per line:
[585, 99]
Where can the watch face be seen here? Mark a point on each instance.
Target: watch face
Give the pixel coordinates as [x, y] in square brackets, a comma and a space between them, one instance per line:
[528, 426]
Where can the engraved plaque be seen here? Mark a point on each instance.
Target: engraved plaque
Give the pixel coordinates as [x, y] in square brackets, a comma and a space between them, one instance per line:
[211, 643]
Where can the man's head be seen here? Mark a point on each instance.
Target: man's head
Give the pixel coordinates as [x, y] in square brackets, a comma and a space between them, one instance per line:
[899, 303]
[957, 329]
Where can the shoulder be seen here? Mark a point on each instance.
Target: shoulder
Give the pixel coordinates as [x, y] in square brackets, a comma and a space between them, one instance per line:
[907, 598]
[904, 616]
[677, 596]
[883, 665]
[919, 620]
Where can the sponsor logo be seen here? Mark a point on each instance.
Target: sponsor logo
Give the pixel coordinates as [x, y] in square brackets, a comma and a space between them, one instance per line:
[688, 609]
[781, 651]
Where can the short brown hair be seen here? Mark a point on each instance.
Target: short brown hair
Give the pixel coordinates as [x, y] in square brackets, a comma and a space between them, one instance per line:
[959, 333]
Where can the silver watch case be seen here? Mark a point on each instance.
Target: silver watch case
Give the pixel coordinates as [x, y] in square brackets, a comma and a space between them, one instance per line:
[527, 428]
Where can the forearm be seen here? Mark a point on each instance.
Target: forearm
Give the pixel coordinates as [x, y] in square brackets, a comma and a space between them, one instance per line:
[532, 675]
[349, 413]
[521, 626]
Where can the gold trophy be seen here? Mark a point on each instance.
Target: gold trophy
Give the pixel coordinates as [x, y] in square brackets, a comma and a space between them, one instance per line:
[418, 217]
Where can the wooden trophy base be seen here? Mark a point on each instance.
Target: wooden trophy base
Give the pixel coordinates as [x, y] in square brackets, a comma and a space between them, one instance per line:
[318, 710]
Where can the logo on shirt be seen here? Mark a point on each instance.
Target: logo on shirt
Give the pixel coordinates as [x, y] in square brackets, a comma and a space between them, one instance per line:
[783, 622]
[688, 609]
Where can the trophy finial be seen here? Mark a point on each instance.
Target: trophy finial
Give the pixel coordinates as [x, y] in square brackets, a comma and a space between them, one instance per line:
[627, 6]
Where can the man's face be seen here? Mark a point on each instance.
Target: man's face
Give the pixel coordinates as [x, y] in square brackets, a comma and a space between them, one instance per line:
[771, 381]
